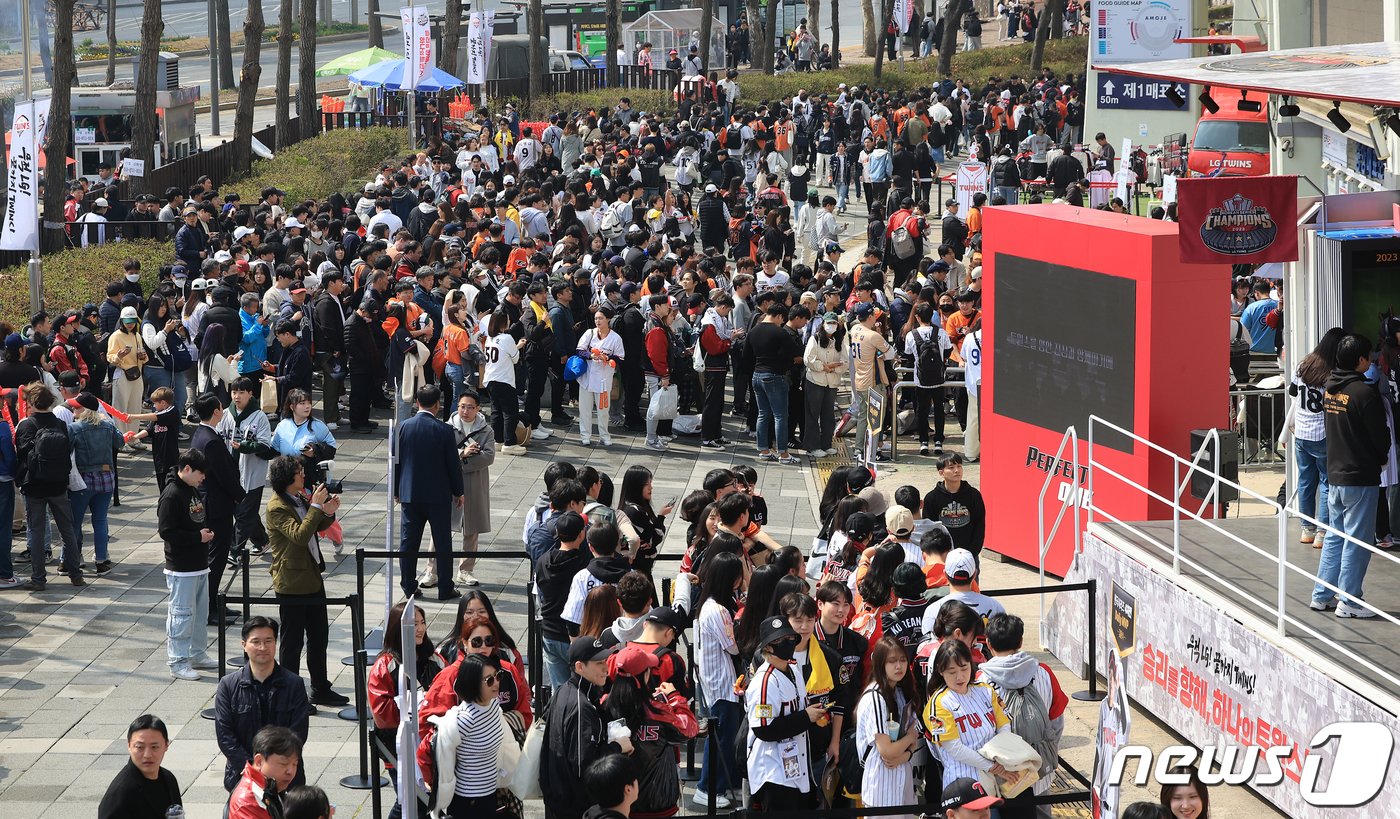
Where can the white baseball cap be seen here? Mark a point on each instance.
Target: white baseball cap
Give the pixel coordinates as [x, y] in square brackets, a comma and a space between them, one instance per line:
[239, 233]
[960, 565]
[223, 257]
[293, 222]
[99, 202]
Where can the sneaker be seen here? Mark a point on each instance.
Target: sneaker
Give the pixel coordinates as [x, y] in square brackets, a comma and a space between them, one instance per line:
[466, 579]
[788, 460]
[608, 442]
[703, 800]
[514, 449]
[329, 698]
[540, 434]
[75, 576]
[331, 425]
[1347, 610]
[184, 672]
[428, 580]
[768, 456]
[102, 567]
[656, 446]
[561, 420]
[1308, 536]
[711, 444]
[923, 449]
[1322, 606]
[34, 585]
[723, 441]
[10, 583]
[585, 442]
[257, 551]
[204, 664]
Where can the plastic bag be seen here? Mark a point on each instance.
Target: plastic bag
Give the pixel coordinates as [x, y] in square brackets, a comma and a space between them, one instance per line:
[665, 404]
[686, 425]
[525, 783]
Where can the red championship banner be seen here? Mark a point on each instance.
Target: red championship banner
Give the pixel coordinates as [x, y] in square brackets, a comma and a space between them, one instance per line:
[1238, 219]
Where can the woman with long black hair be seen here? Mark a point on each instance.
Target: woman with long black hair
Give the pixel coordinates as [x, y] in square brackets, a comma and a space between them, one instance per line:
[649, 525]
[1304, 422]
[715, 664]
[660, 720]
[383, 683]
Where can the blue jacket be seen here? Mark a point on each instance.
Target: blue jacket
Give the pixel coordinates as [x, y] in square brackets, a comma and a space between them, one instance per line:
[93, 445]
[238, 718]
[253, 345]
[7, 451]
[189, 242]
[428, 469]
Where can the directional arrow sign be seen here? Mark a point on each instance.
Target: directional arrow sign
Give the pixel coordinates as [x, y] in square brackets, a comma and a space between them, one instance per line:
[1122, 91]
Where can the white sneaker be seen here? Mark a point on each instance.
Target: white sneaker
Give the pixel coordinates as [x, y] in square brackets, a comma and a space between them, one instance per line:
[585, 442]
[656, 446]
[466, 579]
[332, 426]
[605, 442]
[184, 672]
[540, 434]
[703, 800]
[514, 449]
[428, 579]
[1346, 610]
[204, 663]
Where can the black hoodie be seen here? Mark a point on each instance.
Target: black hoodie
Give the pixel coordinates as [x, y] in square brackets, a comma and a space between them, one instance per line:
[179, 519]
[1358, 440]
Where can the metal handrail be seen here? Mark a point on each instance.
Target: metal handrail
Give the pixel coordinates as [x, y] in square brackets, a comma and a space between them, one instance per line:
[1072, 497]
[1283, 620]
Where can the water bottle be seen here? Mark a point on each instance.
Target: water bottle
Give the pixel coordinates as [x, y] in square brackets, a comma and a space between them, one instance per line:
[175, 812]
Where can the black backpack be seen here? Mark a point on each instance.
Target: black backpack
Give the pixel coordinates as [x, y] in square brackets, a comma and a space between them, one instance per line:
[50, 458]
[928, 359]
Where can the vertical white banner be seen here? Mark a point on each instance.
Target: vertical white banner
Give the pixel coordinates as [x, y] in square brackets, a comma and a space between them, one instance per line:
[476, 49]
[21, 228]
[488, 32]
[903, 13]
[417, 44]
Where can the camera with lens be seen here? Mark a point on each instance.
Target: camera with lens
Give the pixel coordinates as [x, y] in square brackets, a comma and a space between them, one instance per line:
[335, 487]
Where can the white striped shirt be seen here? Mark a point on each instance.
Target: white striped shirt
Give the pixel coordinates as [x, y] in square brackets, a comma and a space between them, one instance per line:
[1308, 424]
[714, 662]
[482, 732]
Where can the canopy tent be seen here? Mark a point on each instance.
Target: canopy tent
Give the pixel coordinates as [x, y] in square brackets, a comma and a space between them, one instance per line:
[389, 75]
[674, 28]
[350, 63]
[1365, 73]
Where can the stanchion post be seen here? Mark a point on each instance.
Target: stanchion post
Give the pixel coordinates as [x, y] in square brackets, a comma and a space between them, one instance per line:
[1092, 695]
[247, 587]
[376, 799]
[362, 781]
[359, 662]
[533, 647]
[209, 713]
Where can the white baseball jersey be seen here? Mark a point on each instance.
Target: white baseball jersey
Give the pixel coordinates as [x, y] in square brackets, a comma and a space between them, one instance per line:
[772, 694]
[880, 785]
[959, 724]
[972, 360]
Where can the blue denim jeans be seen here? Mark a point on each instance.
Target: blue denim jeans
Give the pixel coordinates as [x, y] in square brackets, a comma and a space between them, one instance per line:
[186, 622]
[556, 661]
[158, 377]
[1311, 458]
[98, 502]
[7, 537]
[771, 391]
[1343, 563]
[454, 385]
[1010, 194]
[725, 720]
[843, 189]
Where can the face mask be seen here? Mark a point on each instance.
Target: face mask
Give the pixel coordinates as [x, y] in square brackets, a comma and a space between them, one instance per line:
[133, 277]
[829, 328]
[316, 234]
[784, 649]
[947, 309]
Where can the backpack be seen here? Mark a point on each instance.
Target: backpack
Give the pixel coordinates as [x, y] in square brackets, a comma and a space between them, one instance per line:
[51, 458]
[732, 136]
[850, 765]
[610, 225]
[928, 359]
[1030, 720]
[902, 241]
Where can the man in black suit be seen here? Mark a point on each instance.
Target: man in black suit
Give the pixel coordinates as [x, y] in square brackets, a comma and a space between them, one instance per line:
[365, 362]
[427, 473]
[294, 365]
[222, 489]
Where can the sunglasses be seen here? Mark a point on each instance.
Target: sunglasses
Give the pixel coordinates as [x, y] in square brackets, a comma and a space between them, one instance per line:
[482, 642]
[491, 680]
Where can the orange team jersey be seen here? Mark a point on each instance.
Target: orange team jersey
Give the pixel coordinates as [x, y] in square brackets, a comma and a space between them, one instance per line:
[782, 136]
[518, 260]
[411, 310]
[956, 322]
[901, 116]
[997, 116]
[974, 221]
[455, 341]
[879, 128]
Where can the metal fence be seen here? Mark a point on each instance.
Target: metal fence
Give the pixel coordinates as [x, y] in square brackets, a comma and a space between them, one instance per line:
[575, 82]
[1256, 416]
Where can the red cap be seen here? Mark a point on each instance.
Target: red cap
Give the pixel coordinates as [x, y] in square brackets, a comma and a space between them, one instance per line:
[631, 661]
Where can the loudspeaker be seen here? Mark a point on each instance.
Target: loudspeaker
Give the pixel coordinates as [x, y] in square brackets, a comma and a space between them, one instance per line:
[1229, 464]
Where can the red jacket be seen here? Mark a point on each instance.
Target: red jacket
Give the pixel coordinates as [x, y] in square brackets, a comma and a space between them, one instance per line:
[659, 351]
[247, 799]
[442, 695]
[62, 362]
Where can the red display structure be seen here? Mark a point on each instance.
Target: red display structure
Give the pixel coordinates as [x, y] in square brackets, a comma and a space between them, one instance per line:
[1088, 312]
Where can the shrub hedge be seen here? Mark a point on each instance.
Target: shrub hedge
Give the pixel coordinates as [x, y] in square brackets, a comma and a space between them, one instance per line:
[79, 275]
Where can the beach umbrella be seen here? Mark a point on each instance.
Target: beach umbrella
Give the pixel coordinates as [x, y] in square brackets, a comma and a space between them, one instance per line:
[350, 63]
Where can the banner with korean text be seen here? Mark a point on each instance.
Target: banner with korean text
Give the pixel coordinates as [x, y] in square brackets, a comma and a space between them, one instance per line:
[1215, 681]
[902, 14]
[1238, 219]
[417, 44]
[479, 30]
[971, 179]
[28, 131]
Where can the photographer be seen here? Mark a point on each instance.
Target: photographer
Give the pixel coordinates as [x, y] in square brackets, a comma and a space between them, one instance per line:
[293, 527]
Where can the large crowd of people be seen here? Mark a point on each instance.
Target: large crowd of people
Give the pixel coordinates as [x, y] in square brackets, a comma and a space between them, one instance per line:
[601, 273]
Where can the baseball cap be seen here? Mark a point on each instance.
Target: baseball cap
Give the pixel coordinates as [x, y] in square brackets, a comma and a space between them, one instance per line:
[129, 313]
[628, 288]
[773, 630]
[508, 180]
[631, 661]
[711, 188]
[199, 284]
[899, 521]
[667, 616]
[976, 272]
[298, 289]
[960, 565]
[292, 222]
[370, 187]
[863, 311]
[87, 400]
[875, 500]
[832, 247]
[967, 793]
[239, 233]
[588, 649]
[69, 379]
[223, 257]
[99, 202]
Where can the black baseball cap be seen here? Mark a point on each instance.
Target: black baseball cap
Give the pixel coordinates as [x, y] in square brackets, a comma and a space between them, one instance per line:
[773, 630]
[668, 616]
[967, 793]
[588, 649]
